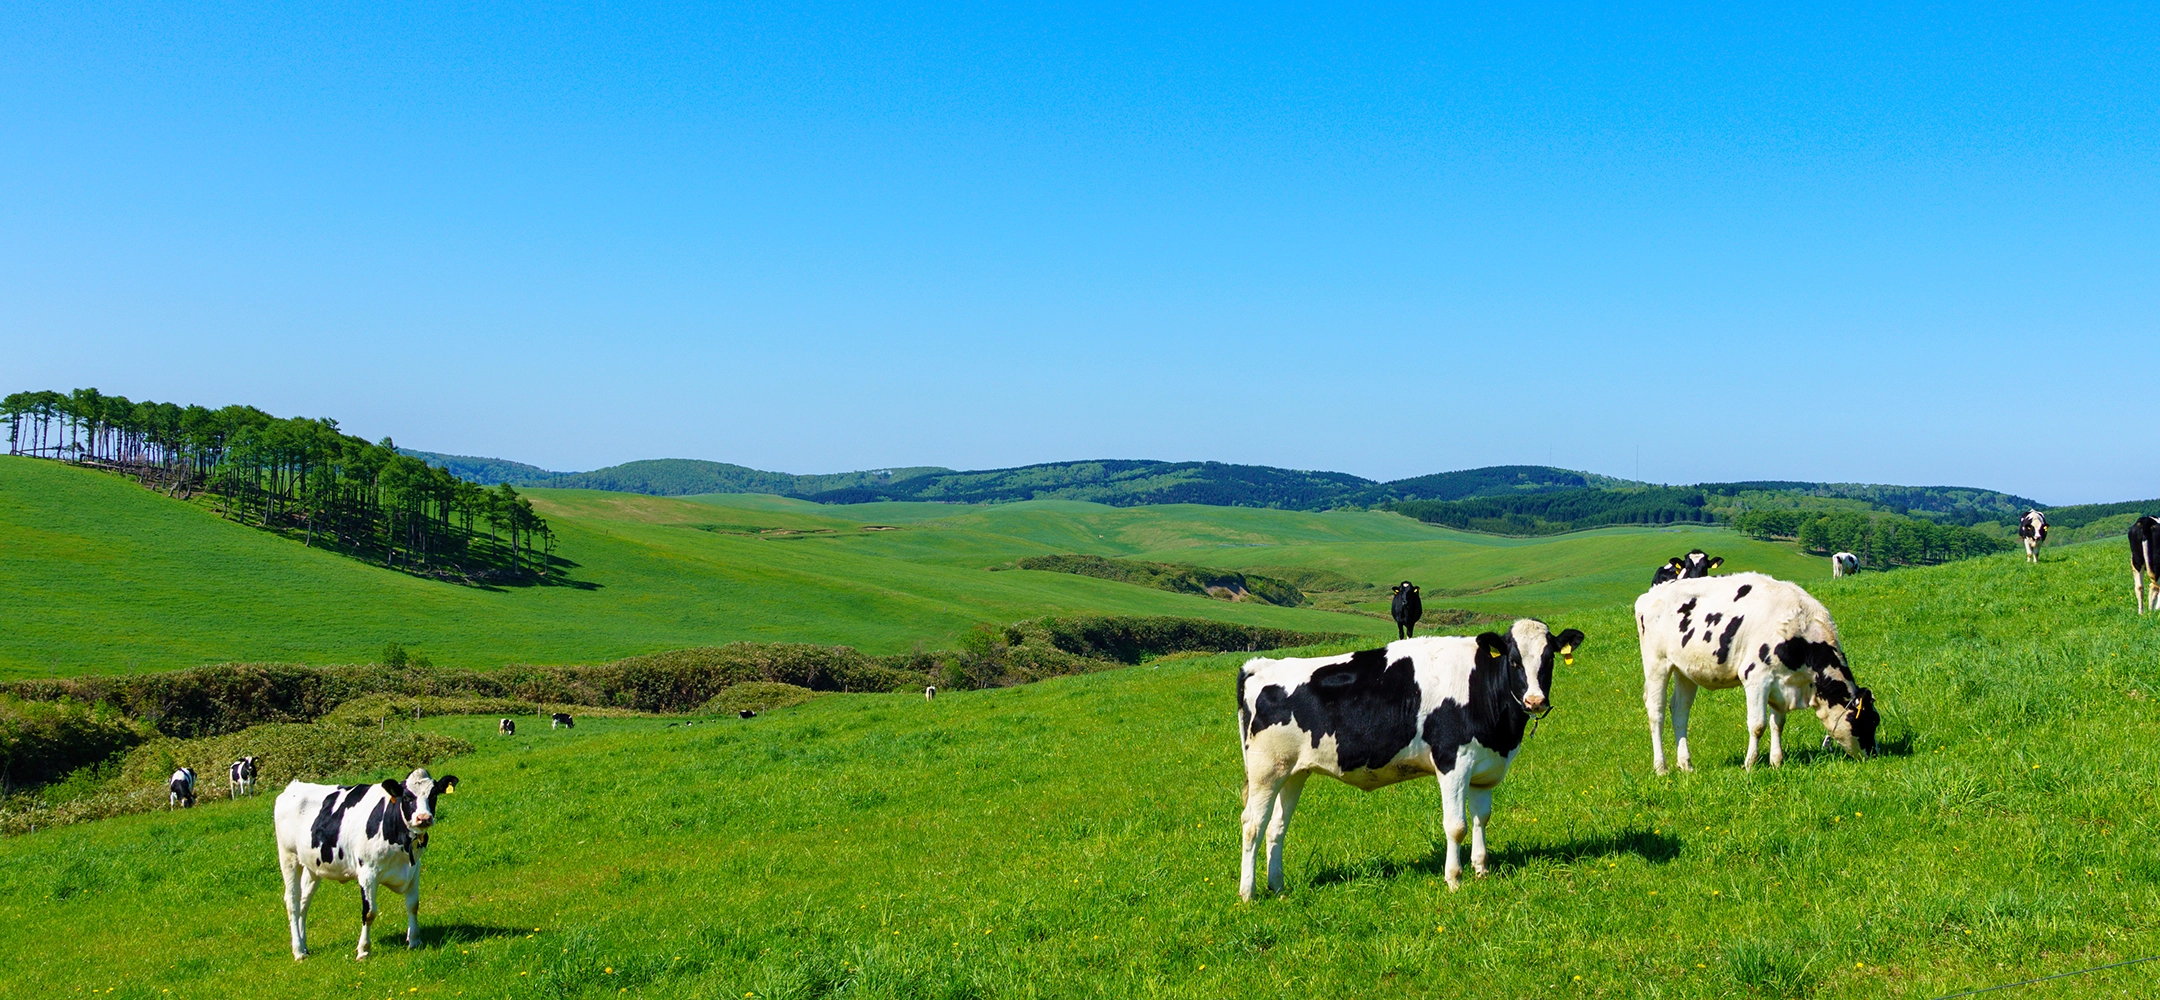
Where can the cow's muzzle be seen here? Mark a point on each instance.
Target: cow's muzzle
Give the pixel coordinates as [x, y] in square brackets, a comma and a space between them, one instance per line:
[1536, 705]
[422, 821]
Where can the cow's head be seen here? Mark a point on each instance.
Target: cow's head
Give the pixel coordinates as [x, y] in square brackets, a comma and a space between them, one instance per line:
[1699, 564]
[415, 795]
[1525, 656]
[1669, 572]
[1405, 587]
[1846, 709]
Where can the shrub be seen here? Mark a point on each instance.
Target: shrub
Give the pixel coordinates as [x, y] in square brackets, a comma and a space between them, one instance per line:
[756, 696]
[40, 742]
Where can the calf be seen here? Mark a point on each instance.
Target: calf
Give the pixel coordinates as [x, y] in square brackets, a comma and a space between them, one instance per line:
[180, 791]
[929, 693]
[371, 834]
[2032, 530]
[2145, 562]
[1448, 706]
[1407, 609]
[563, 721]
[242, 775]
[1750, 631]
[506, 727]
[1844, 564]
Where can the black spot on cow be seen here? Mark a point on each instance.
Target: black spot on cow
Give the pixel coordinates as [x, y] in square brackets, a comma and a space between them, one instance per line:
[1724, 642]
[1763, 654]
[323, 833]
[1712, 617]
[1686, 610]
[1368, 704]
[1744, 588]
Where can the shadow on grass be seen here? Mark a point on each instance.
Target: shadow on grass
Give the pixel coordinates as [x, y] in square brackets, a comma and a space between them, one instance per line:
[1806, 753]
[445, 935]
[1649, 845]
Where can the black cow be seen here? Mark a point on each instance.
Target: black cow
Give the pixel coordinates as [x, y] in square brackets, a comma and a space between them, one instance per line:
[2145, 562]
[563, 721]
[1407, 609]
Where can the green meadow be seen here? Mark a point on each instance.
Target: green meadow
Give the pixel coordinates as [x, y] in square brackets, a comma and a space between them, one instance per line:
[106, 577]
[1078, 837]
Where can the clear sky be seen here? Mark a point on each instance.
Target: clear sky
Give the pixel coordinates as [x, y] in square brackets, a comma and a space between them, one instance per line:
[1826, 243]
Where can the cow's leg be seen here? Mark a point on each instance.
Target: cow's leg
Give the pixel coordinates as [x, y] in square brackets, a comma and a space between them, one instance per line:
[2137, 588]
[412, 912]
[1480, 811]
[1653, 701]
[1683, 699]
[1777, 737]
[368, 887]
[1758, 710]
[1454, 793]
[1260, 789]
[1285, 804]
[299, 891]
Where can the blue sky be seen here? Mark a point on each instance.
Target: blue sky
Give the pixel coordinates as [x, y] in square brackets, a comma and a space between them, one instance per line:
[1843, 243]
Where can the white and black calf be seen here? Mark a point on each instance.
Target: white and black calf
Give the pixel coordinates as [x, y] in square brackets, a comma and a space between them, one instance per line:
[1407, 608]
[1448, 706]
[1844, 564]
[563, 720]
[2145, 562]
[242, 775]
[1748, 631]
[2032, 530]
[374, 834]
[506, 727]
[180, 791]
[1695, 565]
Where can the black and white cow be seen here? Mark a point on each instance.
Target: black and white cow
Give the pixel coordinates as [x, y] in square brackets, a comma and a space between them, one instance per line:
[1844, 564]
[374, 834]
[746, 714]
[1695, 565]
[242, 776]
[507, 727]
[1669, 572]
[1748, 631]
[2145, 562]
[2032, 530]
[1449, 706]
[929, 693]
[563, 721]
[180, 791]
[1407, 609]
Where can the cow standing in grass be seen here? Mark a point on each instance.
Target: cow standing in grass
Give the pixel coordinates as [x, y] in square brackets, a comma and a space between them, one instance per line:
[1748, 631]
[242, 776]
[1407, 608]
[562, 720]
[1844, 564]
[1449, 706]
[2032, 530]
[2145, 562]
[374, 834]
[180, 791]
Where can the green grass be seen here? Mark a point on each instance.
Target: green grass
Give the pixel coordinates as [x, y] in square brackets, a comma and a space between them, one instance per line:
[1078, 837]
[105, 577]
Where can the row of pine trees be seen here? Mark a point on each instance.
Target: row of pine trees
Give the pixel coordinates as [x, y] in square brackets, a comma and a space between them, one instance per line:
[294, 474]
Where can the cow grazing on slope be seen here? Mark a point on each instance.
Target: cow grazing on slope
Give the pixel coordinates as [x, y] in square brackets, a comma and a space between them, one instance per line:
[180, 791]
[374, 834]
[506, 727]
[242, 776]
[563, 720]
[1749, 631]
[1407, 608]
[2145, 562]
[2032, 530]
[1844, 564]
[1448, 706]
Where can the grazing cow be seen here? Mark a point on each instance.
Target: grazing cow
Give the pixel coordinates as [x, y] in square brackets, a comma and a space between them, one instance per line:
[2145, 562]
[563, 721]
[372, 834]
[181, 790]
[2032, 530]
[929, 693]
[746, 714]
[1844, 564]
[1448, 706]
[506, 727]
[242, 776]
[1407, 609]
[1751, 631]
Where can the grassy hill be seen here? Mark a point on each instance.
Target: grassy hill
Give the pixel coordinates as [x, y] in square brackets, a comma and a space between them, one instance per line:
[1078, 837]
[107, 577]
[485, 471]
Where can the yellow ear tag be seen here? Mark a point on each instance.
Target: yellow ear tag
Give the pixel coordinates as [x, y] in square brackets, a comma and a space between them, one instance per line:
[1567, 655]
[452, 790]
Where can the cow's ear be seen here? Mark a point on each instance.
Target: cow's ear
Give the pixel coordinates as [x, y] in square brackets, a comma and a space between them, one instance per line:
[1569, 641]
[395, 787]
[447, 785]
[1716, 561]
[1490, 646]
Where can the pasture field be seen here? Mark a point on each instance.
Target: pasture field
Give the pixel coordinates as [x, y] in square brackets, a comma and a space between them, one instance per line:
[105, 577]
[1078, 837]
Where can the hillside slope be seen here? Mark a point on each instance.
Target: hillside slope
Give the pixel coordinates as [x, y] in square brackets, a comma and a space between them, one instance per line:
[1079, 838]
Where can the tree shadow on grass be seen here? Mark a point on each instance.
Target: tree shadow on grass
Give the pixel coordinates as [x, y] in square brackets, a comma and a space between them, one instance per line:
[1650, 845]
[445, 935]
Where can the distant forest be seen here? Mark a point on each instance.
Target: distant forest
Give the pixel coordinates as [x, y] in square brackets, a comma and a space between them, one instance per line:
[296, 475]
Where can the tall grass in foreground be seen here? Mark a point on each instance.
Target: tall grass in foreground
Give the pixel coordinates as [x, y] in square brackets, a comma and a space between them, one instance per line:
[1078, 837]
